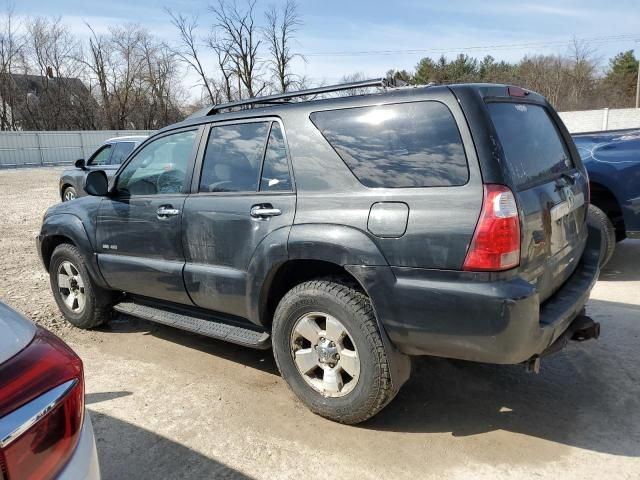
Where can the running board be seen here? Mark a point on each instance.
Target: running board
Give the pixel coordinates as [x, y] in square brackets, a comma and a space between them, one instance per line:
[209, 327]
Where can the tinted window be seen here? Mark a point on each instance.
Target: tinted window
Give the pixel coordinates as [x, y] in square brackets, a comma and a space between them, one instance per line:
[401, 145]
[121, 151]
[530, 141]
[101, 157]
[275, 172]
[160, 167]
[233, 158]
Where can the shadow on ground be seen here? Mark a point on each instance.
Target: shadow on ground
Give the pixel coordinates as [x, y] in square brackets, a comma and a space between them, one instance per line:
[622, 267]
[258, 359]
[126, 451]
[587, 396]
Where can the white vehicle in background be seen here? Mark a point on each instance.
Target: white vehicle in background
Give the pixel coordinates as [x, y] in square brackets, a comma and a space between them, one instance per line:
[45, 431]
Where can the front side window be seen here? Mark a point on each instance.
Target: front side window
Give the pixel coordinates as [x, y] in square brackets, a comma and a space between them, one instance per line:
[121, 151]
[413, 144]
[101, 158]
[159, 167]
[275, 172]
[233, 157]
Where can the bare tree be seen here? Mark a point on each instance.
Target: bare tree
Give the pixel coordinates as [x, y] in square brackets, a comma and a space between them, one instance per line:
[279, 31]
[98, 63]
[188, 51]
[224, 87]
[11, 51]
[239, 36]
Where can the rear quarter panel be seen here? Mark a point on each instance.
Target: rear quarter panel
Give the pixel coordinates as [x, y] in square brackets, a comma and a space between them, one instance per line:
[441, 220]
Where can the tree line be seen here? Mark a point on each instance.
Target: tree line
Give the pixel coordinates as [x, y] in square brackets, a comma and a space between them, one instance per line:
[129, 78]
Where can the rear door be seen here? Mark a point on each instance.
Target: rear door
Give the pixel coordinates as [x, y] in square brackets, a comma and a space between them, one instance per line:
[243, 193]
[550, 188]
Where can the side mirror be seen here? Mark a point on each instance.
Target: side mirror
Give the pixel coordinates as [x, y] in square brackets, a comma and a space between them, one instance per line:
[96, 183]
[80, 163]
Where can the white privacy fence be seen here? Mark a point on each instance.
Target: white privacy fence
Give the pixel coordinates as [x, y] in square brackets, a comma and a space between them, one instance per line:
[604, 119]
[24, 149]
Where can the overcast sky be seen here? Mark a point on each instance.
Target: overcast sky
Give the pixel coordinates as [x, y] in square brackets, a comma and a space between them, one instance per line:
[342, 37]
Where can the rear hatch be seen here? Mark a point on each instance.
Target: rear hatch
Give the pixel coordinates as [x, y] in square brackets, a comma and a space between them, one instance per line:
[551, 190]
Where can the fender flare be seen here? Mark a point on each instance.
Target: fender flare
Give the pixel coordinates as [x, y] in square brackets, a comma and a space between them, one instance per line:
[71, 227]
[338, 244]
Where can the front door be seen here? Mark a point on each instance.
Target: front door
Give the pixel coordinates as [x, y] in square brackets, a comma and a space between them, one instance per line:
[244, 193]
[138, 232]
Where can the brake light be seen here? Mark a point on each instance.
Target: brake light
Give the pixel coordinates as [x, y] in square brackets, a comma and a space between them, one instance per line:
[41, 408]
[517, 92]
[496, 241]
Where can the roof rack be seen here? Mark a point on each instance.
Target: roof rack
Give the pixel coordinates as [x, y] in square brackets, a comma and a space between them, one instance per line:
[284, 97]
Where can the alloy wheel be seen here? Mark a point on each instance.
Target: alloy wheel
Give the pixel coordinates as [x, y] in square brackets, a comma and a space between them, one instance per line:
[71, 287]
[325, 354]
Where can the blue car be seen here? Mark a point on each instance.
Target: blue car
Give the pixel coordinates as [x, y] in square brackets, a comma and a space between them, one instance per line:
[612, 160]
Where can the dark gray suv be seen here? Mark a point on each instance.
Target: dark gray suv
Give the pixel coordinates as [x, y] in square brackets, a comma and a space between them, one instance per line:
[347, 233]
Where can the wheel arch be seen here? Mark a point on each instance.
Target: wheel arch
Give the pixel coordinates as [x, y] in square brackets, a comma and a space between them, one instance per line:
[67, 228]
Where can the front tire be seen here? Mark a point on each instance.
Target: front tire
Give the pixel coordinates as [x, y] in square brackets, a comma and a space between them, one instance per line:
[599, 219]
[84, 304]
[69, 194]
[329, 350]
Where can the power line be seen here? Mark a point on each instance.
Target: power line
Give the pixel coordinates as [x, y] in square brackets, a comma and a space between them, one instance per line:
[599, 40]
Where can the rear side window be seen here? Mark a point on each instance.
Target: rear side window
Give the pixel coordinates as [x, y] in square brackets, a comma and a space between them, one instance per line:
[233, 158]
[121, 151]
[531, 143]
[401, 145]
[275, 172]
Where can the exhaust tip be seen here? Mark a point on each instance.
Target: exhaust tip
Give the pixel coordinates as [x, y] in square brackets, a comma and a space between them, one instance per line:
[586, 329]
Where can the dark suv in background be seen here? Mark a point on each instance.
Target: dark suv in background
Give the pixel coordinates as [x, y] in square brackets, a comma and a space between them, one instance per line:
[612, 160]
[346, 233]
[107, 158]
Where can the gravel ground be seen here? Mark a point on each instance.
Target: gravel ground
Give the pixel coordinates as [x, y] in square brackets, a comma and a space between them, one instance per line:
[169, 404]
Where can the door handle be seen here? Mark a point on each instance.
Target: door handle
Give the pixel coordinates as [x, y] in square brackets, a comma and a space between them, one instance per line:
[263, 211]
[165, 211]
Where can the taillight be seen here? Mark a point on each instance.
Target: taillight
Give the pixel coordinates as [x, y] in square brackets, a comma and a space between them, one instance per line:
[41, 408]
[496, 241]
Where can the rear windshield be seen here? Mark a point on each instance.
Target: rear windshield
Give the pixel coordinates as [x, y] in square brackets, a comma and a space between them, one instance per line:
[531, 143]
[400, 145]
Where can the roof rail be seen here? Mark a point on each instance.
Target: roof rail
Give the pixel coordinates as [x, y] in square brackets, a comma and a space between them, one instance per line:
[284, 97]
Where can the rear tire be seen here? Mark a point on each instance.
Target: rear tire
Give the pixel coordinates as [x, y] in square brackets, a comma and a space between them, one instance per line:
[84, 304]
[69, 194]
[599, 219]
[347, 378]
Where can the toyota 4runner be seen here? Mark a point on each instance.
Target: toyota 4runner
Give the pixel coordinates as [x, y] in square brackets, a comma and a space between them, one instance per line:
[346, 233]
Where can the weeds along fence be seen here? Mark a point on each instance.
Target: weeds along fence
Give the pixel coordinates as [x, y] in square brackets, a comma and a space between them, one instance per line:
[47, 148]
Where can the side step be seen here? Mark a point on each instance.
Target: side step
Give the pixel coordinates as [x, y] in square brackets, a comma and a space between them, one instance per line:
[209, 326]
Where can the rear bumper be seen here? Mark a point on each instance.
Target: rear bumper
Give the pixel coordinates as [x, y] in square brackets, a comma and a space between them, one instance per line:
[83, 465]
[472, 317]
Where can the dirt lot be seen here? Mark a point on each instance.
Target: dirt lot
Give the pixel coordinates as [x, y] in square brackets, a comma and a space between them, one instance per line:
[169, 404]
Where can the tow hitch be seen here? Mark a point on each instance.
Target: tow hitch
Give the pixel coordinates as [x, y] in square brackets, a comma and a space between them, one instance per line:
[582, 328]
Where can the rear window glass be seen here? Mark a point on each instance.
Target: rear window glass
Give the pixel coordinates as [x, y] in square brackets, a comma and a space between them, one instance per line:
[530, 141]
[401, 145]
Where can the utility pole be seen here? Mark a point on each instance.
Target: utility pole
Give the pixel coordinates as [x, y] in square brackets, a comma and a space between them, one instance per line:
[638, 87]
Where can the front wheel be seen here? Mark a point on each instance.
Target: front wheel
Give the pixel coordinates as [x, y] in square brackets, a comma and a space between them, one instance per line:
[83, 304]
[69, 194]
[329, 350]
